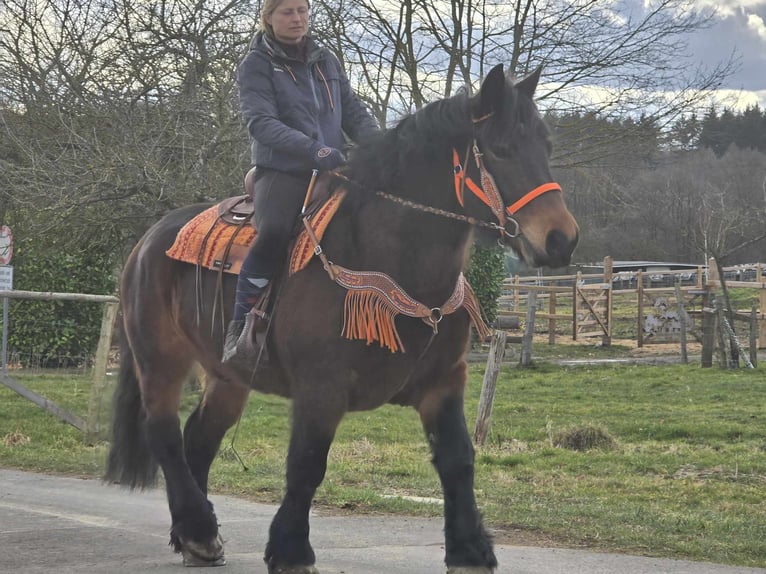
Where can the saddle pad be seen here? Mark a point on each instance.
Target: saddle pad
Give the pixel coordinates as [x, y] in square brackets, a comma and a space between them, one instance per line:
[205, 239]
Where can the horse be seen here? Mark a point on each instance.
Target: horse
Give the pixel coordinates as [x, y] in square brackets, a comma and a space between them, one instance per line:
[415, 194]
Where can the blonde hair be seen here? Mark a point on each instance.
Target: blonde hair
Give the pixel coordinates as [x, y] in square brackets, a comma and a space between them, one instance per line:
[269, 7]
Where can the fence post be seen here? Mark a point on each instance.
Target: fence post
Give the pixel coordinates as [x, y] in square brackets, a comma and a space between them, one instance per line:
[494, 362]
[640, 291]
[724, 351]
[529, 330]
[606, 341]
[682, 321]
[575, 304]
[552, 319]
[99, 374]
[761, 278]
[708, 329]
[753, 336]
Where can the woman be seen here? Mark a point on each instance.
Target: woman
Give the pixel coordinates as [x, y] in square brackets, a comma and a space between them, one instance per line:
[298, 104]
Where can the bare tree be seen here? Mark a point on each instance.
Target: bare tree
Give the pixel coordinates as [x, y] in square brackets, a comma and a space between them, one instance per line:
[596, 59]
[115, 111]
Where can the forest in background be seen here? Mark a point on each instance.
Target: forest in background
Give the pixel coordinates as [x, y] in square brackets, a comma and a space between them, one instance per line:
[686, 193]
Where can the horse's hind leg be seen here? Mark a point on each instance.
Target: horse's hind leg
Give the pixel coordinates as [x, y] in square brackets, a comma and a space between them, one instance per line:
[468, 546]
[194, 531]
[314, 421]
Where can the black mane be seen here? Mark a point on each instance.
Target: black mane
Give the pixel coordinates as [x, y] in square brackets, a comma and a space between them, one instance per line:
[385, 159]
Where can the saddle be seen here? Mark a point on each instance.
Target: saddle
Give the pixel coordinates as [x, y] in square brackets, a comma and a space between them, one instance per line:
[219, 237]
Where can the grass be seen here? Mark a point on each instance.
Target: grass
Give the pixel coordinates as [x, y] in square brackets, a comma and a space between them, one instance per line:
[681, 473]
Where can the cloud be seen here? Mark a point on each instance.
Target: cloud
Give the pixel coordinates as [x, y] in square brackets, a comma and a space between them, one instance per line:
[755, 23]
[595, 97]
[729, 8]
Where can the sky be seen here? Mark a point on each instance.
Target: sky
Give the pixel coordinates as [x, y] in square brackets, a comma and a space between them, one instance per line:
[740, 27]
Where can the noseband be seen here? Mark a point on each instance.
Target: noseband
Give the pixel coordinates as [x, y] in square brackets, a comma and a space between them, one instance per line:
[487, 191]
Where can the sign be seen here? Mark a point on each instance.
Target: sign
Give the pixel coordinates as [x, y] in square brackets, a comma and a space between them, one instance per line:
[6, 278]
[6, 245]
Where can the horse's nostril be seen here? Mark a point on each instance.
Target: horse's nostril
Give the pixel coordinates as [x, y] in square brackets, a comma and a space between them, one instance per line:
[559, 247]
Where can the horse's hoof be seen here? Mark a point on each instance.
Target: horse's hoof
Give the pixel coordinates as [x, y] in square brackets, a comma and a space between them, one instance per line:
[310, 569]
[469, 570]
[198, 555]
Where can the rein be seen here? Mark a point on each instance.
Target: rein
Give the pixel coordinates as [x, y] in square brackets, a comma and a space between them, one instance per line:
[433, 210]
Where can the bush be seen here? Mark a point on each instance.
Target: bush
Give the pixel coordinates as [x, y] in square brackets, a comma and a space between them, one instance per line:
[57, 333]
[485, 273]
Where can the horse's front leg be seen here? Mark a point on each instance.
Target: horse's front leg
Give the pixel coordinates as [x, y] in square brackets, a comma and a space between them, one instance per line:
[218, 410]
[315, 418]
[468, 546]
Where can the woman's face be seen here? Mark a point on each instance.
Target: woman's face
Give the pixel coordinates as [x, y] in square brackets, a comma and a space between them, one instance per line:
[290, 21]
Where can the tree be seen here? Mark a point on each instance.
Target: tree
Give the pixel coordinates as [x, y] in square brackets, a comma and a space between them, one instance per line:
[595, 59]
[116, 112]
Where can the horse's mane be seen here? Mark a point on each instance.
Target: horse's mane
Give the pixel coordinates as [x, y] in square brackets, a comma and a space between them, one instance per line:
[386, 158]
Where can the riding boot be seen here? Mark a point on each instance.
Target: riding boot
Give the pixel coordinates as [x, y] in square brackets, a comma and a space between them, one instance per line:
[248, 318]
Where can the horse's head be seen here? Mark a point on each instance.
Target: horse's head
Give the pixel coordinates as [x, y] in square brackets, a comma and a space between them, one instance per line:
[510, 153]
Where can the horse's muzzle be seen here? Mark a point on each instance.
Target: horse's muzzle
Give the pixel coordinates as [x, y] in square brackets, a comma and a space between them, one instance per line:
[559, 248]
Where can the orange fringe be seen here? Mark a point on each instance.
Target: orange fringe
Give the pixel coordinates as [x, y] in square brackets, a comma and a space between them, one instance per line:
[368, 316]
[471, 304]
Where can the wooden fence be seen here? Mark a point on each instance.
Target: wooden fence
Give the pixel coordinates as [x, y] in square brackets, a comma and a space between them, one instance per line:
[93, 426]
[625, 304]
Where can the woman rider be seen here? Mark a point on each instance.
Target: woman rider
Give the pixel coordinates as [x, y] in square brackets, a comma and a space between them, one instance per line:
[299, 108]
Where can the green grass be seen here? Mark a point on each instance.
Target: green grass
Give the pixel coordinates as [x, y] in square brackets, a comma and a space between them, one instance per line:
[684, 476]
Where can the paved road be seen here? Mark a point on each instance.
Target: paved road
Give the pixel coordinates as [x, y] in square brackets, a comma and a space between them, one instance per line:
[67, 525]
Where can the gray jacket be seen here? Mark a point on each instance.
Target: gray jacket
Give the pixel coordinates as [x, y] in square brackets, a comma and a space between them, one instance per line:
[293, 108]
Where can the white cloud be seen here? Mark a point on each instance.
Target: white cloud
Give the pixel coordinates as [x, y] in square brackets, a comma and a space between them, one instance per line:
[601, 98]
[755, 23]
[728, 8]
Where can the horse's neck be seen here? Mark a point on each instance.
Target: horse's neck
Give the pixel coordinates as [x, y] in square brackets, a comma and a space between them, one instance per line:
[427, 253]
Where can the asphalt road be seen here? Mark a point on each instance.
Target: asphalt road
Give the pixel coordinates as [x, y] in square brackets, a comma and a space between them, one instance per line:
[67, 525]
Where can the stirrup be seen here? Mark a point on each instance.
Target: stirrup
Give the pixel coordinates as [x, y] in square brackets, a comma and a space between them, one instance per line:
[248, 342]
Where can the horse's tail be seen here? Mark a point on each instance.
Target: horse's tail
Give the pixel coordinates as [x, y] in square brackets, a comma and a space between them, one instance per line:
[130, 463]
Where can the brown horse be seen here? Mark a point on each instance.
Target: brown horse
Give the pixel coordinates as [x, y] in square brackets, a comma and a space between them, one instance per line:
[456, 163]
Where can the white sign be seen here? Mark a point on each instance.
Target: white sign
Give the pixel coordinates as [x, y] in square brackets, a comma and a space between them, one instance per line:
[6, 245]
[6, 278]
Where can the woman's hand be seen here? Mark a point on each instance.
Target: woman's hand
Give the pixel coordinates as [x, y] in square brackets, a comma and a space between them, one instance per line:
[328, 158]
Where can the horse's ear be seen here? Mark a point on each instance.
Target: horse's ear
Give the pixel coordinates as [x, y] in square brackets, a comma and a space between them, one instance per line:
[492, 94]
[528, 85]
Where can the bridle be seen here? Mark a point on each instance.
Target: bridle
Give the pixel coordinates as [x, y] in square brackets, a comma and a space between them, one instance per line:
[487, 191]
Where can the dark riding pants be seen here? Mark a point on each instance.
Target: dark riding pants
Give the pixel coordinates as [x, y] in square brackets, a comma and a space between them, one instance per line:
[277, 200]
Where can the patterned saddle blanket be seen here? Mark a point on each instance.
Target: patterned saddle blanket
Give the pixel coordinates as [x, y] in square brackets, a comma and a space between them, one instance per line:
[220, 237]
